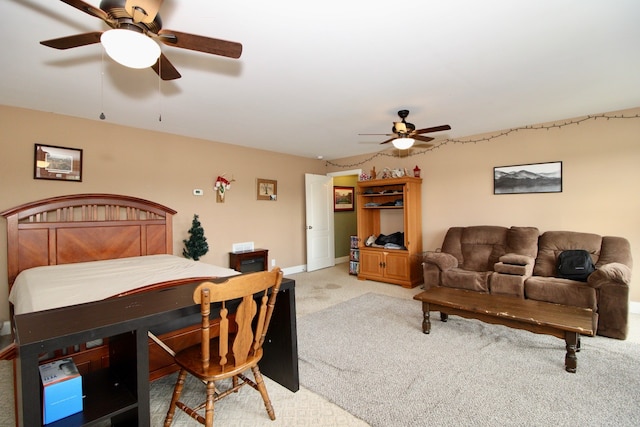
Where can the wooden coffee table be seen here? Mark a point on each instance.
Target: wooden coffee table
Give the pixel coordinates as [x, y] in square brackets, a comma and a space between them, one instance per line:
[561, 321]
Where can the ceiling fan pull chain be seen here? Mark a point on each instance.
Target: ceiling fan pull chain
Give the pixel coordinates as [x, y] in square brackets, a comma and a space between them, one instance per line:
[102, 116]
[160, 89]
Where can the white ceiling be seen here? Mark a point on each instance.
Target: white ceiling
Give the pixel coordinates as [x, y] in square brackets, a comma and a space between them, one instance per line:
[312, 76]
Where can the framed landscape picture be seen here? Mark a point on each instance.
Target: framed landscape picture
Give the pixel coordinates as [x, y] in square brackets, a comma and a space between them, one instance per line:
[342, 199]
[531, 178]
[57, 163]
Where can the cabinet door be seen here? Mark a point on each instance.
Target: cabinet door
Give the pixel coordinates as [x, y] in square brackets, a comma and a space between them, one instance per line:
[371, 263]
[396, 266]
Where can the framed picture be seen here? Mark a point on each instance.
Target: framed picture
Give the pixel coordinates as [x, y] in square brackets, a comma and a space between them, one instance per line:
[532, 178]
[342, 199]
[267, 189]
[57, 163]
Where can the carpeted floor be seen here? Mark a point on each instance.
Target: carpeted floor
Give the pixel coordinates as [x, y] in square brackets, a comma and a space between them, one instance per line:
[464, 373]
[315, 291]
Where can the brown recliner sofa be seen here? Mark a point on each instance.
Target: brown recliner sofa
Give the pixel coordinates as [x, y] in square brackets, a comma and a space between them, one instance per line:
[521, 262]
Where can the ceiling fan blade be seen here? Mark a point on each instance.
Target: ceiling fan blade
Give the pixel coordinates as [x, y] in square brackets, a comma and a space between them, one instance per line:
[422, 138]
[388, 140]
[376, 134]
[201, 43]
[143, 10]
[87, 8]
[73, 41]
[433, 129]
[165, 69]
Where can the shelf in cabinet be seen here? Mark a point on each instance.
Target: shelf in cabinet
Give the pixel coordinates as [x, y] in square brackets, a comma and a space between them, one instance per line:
[104, 397]
[382, 194]
[381, 249]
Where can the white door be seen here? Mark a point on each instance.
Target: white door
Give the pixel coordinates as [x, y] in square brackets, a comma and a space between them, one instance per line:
[320, 240]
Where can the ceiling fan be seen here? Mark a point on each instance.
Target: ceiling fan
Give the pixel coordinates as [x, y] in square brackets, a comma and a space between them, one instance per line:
[405, 134]
[140, 20]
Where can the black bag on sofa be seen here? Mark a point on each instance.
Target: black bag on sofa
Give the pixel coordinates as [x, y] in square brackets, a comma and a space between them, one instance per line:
[575, 264]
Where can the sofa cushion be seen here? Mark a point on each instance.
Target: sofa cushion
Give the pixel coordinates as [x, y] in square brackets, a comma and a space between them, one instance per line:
[552, 243]
[463, 279]
[523, 241]
[561, 291]
[477, 248]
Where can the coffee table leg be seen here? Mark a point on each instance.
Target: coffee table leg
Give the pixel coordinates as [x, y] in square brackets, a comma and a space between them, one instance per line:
[426, 322]
[571, 360]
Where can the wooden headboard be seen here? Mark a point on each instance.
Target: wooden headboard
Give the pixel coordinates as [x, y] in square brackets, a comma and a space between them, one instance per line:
[85, 227]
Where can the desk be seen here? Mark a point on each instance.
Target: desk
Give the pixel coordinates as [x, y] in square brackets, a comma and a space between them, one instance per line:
[121, 392]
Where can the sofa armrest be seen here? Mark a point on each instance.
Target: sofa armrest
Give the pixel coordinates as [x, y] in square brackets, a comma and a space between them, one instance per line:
[517, 259]
[514, 264]
[442, 260]
[615, 272]
[516, 270]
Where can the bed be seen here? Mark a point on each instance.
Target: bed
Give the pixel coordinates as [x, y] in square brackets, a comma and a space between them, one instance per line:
[100, 239]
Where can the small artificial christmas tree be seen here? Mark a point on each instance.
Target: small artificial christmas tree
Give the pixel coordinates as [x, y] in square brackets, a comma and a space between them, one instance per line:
[197, 245]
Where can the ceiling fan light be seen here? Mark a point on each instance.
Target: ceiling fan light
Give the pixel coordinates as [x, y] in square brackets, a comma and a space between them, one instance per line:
[400, 127]
[130, 48]
[403, 143]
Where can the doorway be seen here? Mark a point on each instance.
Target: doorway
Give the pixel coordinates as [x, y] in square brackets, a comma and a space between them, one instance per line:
[345, 222]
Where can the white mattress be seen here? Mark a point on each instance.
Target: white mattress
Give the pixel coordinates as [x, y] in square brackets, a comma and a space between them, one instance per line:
[43, 288]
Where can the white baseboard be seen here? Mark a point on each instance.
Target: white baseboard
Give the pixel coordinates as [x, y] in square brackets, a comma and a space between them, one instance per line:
[302, 268]
[295, 269]
[634, 307]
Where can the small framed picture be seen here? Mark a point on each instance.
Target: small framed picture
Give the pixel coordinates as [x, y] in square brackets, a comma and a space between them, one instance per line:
[57, 163]
[267, 189]
[342, 199]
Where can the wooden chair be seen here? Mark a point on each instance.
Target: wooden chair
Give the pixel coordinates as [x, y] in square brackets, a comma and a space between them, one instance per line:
[239, 346]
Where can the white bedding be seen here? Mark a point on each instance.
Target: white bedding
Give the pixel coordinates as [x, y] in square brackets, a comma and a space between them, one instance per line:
[54, 286]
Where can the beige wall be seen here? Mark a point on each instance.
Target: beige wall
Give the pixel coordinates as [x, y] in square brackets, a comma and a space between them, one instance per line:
[600, 165]
[164, 168]
[601, 172]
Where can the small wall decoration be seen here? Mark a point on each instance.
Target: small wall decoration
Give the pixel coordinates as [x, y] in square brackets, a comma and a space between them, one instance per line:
[57, 163]
[342, 199]
[267, 189]
[531, 178]
[222, 185]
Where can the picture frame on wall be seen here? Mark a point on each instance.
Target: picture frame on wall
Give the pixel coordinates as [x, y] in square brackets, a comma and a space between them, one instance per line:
[57, 163]
[343, 199]
[528, 178]
[267, 189]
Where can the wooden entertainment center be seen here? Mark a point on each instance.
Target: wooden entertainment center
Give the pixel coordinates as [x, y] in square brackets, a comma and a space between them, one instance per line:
[387, 206]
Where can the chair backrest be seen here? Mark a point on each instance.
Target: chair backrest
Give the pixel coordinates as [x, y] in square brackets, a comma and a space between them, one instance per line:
[243, 289]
